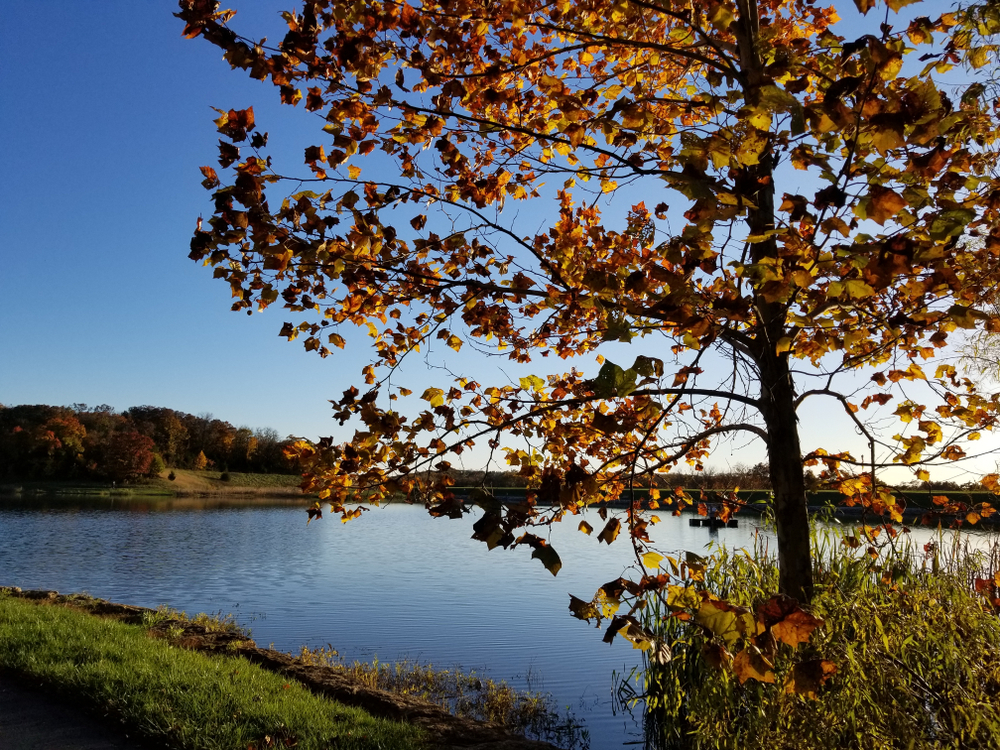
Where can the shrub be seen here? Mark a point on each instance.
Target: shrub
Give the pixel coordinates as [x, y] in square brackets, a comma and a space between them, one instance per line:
[156, 465]
[224, 476]
[171, 476]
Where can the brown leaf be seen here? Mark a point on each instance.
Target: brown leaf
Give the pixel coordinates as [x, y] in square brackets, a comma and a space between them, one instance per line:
[776, 609]
[750, 664]
[807, 677]
[583, 610]
[716, 655]
[211, 178]
[610, 531]
[884, 204]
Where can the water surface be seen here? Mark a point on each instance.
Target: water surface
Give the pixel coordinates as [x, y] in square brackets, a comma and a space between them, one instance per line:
[394, 584]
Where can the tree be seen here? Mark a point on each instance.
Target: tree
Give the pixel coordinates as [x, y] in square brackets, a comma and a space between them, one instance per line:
[164, 426]
[126, 456]
[827, 183]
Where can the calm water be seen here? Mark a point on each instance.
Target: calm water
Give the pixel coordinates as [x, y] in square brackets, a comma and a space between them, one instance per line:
[395, 584]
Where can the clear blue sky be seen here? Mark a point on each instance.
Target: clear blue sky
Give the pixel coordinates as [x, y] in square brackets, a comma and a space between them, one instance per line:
[106, 118]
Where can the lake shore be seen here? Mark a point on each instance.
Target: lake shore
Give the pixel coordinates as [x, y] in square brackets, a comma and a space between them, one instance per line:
[222, 641]
[186, 483]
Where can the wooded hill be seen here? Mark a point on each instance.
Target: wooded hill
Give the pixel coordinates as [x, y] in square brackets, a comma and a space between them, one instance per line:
[78, 441]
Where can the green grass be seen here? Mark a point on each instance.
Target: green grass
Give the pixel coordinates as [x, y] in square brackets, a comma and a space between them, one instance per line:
[237, 479]
[190, 700]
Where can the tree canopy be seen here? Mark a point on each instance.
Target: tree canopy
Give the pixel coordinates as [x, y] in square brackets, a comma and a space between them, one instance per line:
[824, 192]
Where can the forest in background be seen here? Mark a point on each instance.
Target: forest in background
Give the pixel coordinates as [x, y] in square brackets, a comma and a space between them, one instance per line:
[81, 442]
[39, 442]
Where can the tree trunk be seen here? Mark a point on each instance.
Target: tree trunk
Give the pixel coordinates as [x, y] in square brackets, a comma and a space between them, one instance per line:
[777, 392]
[787, 477]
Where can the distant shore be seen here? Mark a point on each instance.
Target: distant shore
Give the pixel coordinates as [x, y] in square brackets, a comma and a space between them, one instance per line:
[186, 483]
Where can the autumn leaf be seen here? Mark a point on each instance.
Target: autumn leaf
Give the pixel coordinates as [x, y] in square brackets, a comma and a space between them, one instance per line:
[750, 664]
[542, 551]
[716, 655]
[725, 620]
[807, 677]
[583, 610]
[652, 559]
[795, 628]
[883, 204]
[610, 531]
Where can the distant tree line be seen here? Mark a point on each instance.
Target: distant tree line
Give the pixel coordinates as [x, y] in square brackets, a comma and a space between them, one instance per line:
[743, 476]
[71, 442]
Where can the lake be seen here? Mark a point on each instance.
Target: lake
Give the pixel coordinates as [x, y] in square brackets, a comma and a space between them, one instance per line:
[396, 584]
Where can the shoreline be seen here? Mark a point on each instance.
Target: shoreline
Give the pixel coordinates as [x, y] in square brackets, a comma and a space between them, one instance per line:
[444, 730]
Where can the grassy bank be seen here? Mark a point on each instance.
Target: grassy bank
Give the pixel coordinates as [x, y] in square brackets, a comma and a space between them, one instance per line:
[188, 700]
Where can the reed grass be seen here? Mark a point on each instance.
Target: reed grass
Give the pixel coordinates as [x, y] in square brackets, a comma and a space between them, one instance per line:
[464, 693]
[911, 629]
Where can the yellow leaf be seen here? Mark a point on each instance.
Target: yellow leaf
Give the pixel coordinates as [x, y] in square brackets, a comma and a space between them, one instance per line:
[354, 172]
[586, 528]
[434, 395]
[751, 147]
[652, 559]
[858, 289]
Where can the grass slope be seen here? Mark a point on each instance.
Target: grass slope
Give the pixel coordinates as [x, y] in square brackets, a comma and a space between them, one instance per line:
[190, 700]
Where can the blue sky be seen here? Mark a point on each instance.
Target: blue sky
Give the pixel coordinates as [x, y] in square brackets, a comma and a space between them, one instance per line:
[106, 119]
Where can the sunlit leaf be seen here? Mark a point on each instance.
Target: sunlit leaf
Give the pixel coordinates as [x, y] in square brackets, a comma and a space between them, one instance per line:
[610, 531]
[652, 559]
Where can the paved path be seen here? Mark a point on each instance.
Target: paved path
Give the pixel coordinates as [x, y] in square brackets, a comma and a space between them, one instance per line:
[32, 720]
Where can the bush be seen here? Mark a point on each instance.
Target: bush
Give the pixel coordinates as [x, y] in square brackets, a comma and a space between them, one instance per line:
[914, 643]
[224, 476]
[171, 476]
[156, 465]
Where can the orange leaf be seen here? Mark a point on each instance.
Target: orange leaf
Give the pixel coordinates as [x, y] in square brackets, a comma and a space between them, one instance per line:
[884, 204]
[796, 628]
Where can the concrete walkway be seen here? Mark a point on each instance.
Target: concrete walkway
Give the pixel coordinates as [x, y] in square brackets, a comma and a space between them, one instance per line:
[30, 719]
